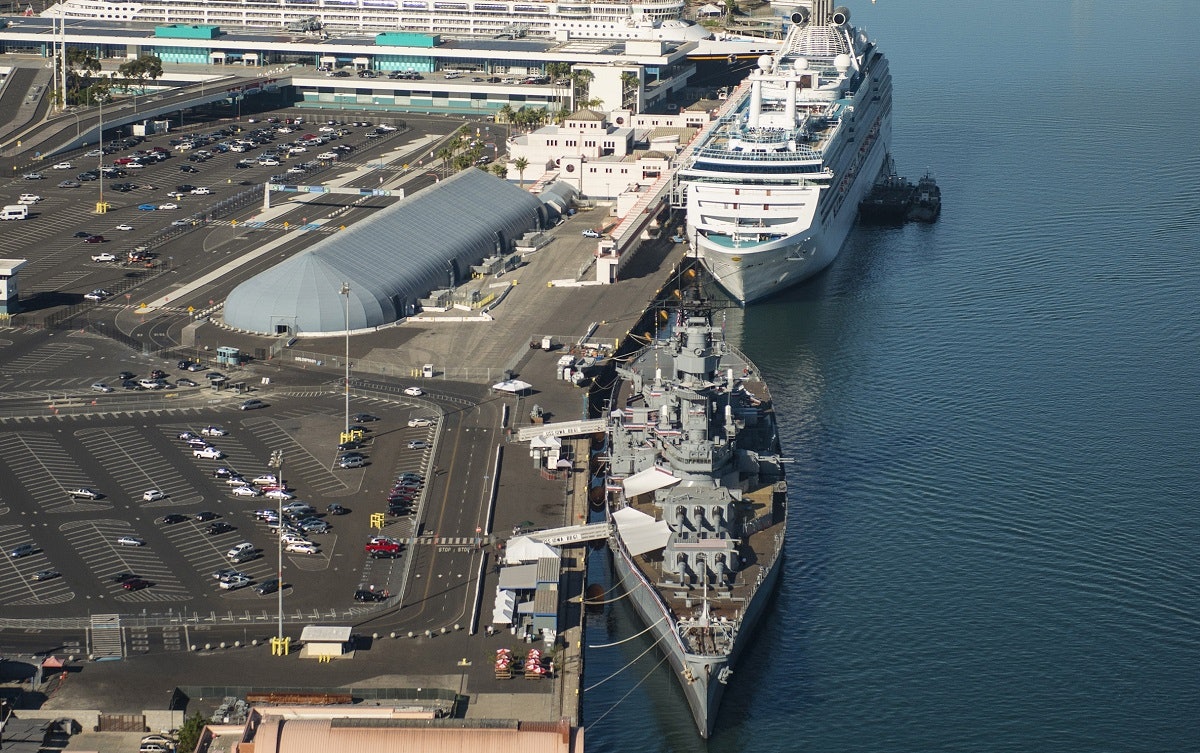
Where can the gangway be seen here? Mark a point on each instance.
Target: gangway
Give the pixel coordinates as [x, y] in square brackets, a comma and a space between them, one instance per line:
[561, 429]
[572, 534]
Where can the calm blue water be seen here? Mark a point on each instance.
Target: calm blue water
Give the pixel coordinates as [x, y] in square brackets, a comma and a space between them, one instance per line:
[995, 419]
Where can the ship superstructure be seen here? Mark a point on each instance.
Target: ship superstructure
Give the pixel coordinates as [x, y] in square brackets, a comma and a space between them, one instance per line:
[773, 185]
[698, 500]
[586, 19]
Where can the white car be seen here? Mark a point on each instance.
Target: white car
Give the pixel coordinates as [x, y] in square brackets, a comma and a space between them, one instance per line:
[237, 481]
[134, 166]
[589, 233]
[268, 162]
[63, 166]
[213, 431]
[420, 422]
[131, 541]
[99, 294]
[168, 206]
[295, 538]
[152, 495]
[280, 494]
[211, 453]
[267, 479]
[245, 491]
[201, 191]
[414, 391]
[243, 548]
[29, 198]
[94, 153]
[234, 582]
[301, 548]
[124, 226]
[104, 257]
[327, 155]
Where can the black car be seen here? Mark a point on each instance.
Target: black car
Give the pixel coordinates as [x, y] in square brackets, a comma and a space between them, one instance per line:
[365, 595]
[135, 584]
[83, 234]
[188, 169]
[158, 374]
[351, 445]
[122, 577]
[217, 529]
[185, 188]
[224, 473]
[363, 418]
[268, 586]
[204, 516]
[172, 519]
[126, 375]
[336, 509]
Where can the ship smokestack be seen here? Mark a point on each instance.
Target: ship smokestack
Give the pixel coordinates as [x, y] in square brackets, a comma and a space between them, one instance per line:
[821, 10]
[840, 17]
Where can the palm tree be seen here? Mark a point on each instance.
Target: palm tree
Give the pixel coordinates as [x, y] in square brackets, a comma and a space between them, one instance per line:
[499, 169]
[521, 163]
[580, 80]
[445, 155]
[630, 83]
[505, 112]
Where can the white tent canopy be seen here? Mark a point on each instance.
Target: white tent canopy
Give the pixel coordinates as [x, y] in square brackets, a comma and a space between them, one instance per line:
[504, 607]
[648, 480]
[525, 549]
[709, 10]
[512, 385]
[639, 531]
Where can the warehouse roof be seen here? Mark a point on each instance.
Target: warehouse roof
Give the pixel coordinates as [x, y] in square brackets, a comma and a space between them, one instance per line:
[425, 242]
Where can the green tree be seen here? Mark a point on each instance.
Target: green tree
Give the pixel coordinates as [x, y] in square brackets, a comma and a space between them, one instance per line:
[580, 81]
[189, 733]
[730, 7]
[521, 163]
[505, 113]
[135, 72]
[499, 169]
[630, 83]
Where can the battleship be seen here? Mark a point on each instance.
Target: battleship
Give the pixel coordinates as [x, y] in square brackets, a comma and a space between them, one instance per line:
[697, 500]
[773, 185]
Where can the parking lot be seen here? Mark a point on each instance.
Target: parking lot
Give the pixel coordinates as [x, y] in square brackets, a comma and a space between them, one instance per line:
[75, 561]
[161, 205]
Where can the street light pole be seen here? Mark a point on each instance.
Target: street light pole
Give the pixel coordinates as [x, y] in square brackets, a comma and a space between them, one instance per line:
[346, 293]
[277, 462]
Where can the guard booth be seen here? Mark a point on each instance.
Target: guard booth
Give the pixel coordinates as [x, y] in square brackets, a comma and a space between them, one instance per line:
[10, 293]
[227, 356]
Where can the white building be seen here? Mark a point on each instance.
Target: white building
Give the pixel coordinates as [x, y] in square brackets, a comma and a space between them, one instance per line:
[596, 154]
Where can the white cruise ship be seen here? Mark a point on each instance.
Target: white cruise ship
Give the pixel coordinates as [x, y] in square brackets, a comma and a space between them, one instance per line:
[584, 19]
[773, 185]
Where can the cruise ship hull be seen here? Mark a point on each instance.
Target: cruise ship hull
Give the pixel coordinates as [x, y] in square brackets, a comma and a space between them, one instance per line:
[757, 271]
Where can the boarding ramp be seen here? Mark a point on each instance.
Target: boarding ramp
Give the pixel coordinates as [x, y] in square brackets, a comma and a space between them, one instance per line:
[561, 429]
[572, 534]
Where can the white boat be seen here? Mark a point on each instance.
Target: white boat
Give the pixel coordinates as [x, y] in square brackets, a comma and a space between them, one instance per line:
[773, 184]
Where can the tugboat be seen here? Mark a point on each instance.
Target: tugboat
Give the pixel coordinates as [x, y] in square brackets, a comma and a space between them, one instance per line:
[927, 204]
[890, 199]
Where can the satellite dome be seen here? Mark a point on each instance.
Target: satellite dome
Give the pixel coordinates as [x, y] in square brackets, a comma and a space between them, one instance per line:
[764, 63]
[842, 63]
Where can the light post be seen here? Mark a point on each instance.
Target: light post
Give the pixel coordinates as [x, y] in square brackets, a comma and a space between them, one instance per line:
[346, 293]
[101, 207]
[276, 461]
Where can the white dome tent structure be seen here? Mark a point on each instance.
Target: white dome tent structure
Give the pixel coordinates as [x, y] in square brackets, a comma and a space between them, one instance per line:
[425, 242]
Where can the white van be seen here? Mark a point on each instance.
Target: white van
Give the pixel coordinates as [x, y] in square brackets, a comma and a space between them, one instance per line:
[14, 212]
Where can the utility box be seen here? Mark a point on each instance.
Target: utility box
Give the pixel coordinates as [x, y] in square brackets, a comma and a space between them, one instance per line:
[427, 371]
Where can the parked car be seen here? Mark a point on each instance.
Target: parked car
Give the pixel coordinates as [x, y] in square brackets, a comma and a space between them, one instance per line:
[355, 462]
[84, 492]
[135, 584]
[147, 207]
[414, 422]
[269, 586]
[101, 387]
[365, 595]
[41, 575]
[589, 233]
[417, 444]
[301, 548]
[211, 453]
[96, 239]
[100, 257]
[213, 431]
[153, 495]
[234, 582]
[216, 529]
[252, 405]
[245, 491]
[336, 509]
[172, 519]
[243, 548]
[204, 516]
[414, 391]
[24, 550]
[97, 295]
[131, 541]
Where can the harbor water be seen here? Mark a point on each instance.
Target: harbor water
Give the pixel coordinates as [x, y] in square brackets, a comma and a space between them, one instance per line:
[994, 419]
